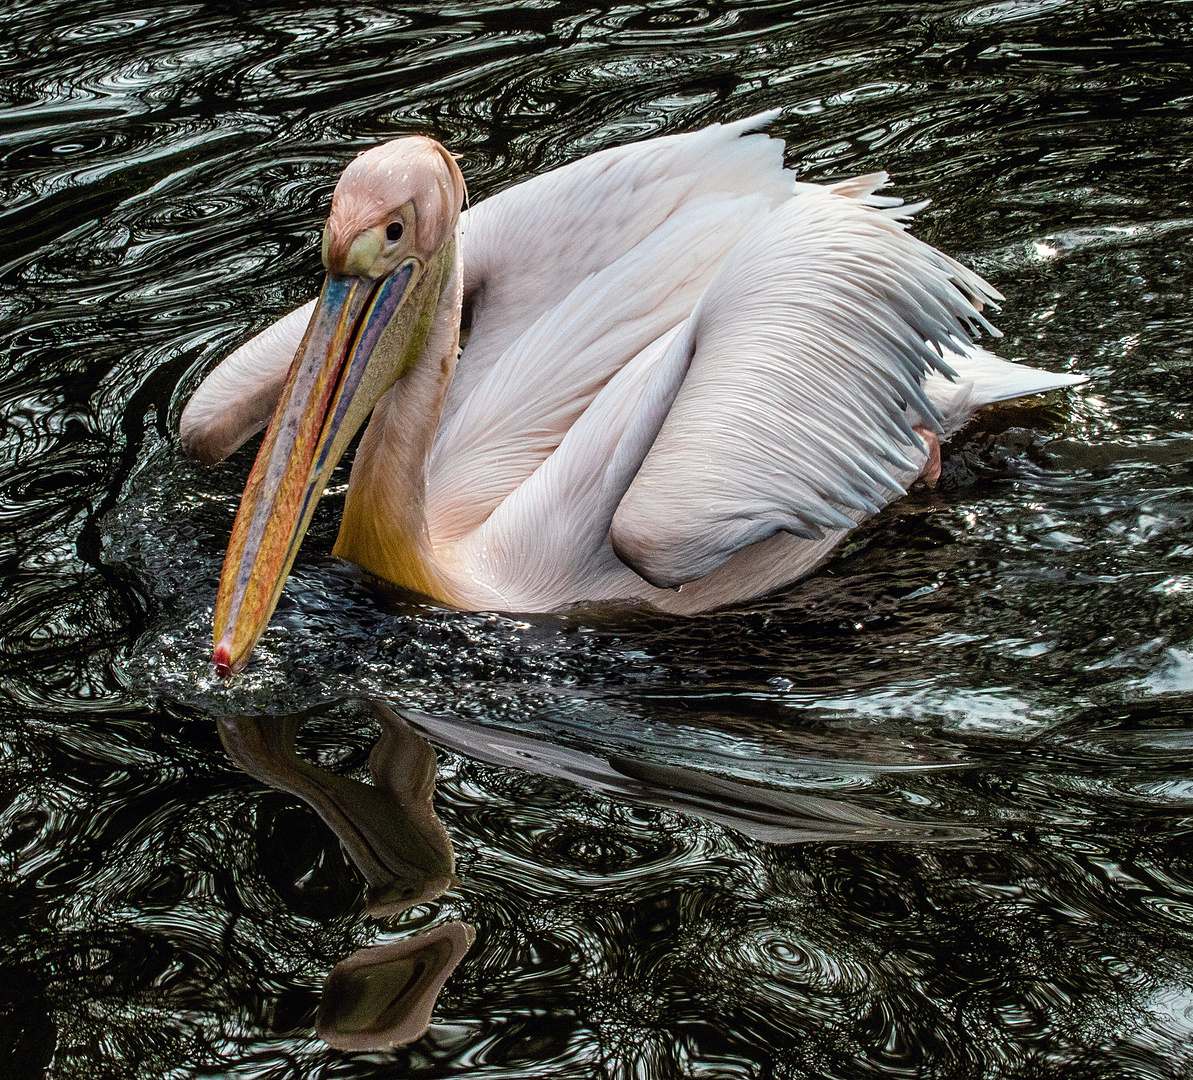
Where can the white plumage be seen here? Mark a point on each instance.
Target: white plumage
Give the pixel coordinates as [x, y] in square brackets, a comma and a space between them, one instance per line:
[686, 377]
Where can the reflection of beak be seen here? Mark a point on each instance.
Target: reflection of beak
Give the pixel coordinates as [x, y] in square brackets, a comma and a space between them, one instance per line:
[310, 430]
[389, 828]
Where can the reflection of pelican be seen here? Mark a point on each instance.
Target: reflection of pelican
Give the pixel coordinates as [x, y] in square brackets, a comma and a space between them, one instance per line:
[382, 996]
[765, 814]
[388, 828]
[385, 995]
[683, 369]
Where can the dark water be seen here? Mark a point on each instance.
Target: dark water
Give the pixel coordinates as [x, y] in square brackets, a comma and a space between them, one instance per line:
[926, 814]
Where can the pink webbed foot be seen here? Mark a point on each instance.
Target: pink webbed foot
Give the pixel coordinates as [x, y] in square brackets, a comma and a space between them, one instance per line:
[930, 473]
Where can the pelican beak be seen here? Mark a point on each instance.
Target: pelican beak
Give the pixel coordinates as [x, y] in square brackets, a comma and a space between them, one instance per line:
[330, 390]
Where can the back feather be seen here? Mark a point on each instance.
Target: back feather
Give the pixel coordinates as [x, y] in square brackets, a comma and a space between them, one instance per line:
[571, 274]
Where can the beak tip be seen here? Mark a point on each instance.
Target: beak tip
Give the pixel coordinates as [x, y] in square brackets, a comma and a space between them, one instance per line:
[222, 661]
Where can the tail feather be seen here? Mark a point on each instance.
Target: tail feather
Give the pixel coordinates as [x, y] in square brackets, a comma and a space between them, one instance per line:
[984, 379]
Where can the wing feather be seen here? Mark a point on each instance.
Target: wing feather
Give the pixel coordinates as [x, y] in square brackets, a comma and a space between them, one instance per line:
[547, 544]
[238, 397]
[813, 342]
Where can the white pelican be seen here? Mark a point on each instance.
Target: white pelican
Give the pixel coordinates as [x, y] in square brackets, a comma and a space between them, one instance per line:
[686, 377]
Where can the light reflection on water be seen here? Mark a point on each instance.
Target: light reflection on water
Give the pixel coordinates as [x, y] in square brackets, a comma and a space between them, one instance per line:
[923, 814]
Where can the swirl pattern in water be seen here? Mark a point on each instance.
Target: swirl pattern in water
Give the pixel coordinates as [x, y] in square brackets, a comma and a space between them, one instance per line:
[925, 813]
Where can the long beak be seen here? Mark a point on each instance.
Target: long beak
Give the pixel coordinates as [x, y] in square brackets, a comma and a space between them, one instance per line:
[310, 429]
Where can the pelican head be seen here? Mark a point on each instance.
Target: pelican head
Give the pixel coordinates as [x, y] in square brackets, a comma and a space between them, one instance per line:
[389, 250]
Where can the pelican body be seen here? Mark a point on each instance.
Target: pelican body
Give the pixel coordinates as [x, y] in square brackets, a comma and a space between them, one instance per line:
[685, 378]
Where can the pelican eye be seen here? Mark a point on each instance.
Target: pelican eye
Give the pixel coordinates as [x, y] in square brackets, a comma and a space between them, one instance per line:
[393, 232]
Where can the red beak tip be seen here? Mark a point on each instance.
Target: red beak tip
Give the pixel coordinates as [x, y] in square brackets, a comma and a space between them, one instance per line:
[223, 666]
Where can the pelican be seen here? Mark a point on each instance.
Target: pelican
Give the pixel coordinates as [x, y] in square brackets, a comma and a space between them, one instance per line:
[685, 377]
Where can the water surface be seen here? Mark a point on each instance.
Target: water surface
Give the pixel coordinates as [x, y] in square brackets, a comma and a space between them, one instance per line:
[926, 813]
